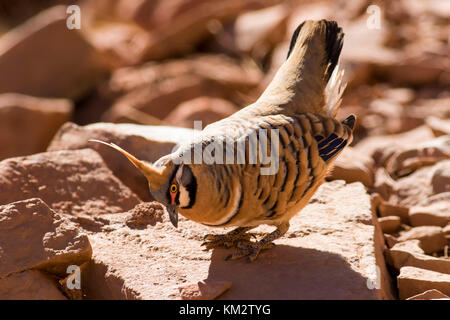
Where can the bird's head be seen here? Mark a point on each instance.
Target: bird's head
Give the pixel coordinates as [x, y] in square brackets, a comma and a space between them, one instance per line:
[173, 185]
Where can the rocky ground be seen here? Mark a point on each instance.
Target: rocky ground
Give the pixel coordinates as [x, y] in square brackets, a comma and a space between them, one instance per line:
[138, 73]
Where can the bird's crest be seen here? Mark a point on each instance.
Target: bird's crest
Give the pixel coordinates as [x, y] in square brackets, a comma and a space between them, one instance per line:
[155, 175]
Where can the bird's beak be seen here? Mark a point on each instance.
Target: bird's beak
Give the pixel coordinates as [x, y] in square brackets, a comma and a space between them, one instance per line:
[173, 214]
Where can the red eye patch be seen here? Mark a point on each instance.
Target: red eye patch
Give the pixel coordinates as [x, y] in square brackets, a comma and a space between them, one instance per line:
[173, 196]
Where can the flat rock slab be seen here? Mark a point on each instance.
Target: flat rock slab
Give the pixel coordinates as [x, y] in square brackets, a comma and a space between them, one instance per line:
[413, 281]
[70, 182]
[33, 236]
[145, 142]
[432, 294]
[27, 124]
[409, 253]
[43, 57]
[29, 285]
[332, 251]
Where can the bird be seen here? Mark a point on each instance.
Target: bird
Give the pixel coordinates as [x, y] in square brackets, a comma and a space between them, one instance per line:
[298, 111]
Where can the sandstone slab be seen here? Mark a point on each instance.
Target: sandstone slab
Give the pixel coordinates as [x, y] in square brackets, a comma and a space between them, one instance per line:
[44, 58]
[432, 294]
[71, 182]
[433, 211]
[334, 241]
[440, 176]
[432, 238]
[158, 100]
[353, 166]
[27, 124]
[257, 32]
[387, 209]
[413, 281]
[202, 290]
[176, 26]
[409, 253]
[33, 236]
[156, 89]
[407, 139]
[403, 162]
[204, 109]
[29, 285]
[389, 224]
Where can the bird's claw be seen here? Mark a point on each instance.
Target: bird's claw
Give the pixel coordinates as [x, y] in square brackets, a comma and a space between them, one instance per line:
[225, 240]
[249, 250]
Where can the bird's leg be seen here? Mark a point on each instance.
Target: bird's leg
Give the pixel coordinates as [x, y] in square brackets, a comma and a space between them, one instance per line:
[227, 240]
[252, 250]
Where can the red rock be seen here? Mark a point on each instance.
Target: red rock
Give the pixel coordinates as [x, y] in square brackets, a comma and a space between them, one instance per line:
[27, 124]
[413, 281]
[405, 161]
[70, 182]
[257, 32]
[29, 285]
[432, 239]
[159, 101]
[205, 109]
[384, 185]
[407, 139]
[390, 240]
[304, 11]
[416, 70]
[411, 190]
[34, 237]
[119, 44]
[440, 179]
[146, 142]
[393, 116]
[365, 49]
[447, 230]
[204, 290]
[389, 224]
[433, 211]
[353, 166]
[387, 209]
[432, 294]
[439, 127]
[409, 253]
[144, 214]
[38, 58]
[399, 95]
[157, 89]
[177, 26]
[240, 77]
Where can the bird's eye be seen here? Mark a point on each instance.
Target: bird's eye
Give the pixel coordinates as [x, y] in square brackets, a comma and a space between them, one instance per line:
[173, 188]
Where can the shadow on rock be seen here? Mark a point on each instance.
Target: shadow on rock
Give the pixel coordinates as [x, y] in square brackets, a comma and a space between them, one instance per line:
[287, 272]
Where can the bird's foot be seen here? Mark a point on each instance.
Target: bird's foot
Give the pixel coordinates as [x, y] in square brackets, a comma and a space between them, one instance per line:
[227, 240]
[250, 250]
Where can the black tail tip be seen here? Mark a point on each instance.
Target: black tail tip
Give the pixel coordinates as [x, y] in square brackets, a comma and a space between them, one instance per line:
[350, 121]
[334, 42]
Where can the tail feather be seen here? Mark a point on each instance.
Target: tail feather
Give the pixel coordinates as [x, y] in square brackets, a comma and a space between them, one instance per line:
[309, 80]
[294, 38]
[334, 42]
[333, 92]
